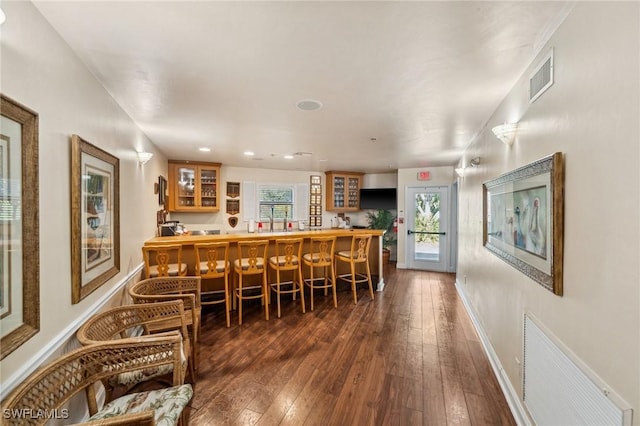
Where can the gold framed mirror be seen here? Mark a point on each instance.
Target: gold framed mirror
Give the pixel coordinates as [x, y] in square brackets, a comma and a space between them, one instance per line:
[19, 231]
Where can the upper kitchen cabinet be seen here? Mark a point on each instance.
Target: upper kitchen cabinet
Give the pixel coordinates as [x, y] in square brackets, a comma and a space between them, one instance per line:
[194, 186]
[343, 191]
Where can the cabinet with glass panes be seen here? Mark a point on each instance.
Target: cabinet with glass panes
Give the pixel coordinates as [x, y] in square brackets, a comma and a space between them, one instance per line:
[343, 191]
[194, 186]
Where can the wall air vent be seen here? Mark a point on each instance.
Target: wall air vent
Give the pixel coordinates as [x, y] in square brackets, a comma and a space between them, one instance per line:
[541, 78]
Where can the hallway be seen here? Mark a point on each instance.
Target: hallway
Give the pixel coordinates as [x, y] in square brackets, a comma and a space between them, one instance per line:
[411, 357]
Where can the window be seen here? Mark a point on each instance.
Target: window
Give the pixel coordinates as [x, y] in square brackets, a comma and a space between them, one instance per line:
[276, 201]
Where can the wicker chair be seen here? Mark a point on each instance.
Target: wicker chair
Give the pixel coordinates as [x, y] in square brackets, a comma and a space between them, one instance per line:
[52, 386]
[122, 322]
[161, 289]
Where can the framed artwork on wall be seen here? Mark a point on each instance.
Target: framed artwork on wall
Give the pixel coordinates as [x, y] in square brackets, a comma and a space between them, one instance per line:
[523, 219]
[95, 217]
[19, 225]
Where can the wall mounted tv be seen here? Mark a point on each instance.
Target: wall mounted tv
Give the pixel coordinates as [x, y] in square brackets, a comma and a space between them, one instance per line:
[378, 198]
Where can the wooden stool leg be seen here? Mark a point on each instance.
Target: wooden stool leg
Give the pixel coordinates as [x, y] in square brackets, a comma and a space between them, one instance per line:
[265, 290]
[278, 289]
[369, 277]
[311, 286]
[226, 299]
[333, 286]
[353, 283]
[240, 299]
[300, 287]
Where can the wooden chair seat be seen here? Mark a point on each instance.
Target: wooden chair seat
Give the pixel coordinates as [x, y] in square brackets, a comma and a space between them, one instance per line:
[287, 259]
[357, 255]
[212, 265]
[251, 261]
[321, 250]
[163, 260]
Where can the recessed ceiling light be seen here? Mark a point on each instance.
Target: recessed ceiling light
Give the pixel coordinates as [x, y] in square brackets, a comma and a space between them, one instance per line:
[204, 149]
[309, 104]
[249, 153]
[288, 156]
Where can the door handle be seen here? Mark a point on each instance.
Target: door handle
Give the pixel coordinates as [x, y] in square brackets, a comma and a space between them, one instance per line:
[409, 232]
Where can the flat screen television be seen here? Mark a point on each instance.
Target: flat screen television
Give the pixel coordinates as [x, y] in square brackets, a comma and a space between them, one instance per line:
[378, 198]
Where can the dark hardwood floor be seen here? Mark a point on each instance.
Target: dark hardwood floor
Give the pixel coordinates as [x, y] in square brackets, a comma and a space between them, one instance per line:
[409, 357]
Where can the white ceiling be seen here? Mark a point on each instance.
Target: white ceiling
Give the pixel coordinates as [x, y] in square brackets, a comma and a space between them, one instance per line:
[422, 78]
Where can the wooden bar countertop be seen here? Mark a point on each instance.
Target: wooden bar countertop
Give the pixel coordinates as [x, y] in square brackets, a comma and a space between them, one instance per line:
[343, 242]
[188, 239]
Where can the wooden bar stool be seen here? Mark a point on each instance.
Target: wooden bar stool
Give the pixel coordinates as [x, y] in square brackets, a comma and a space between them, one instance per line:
[251, 261]
[212, 263]
[287, 258]
[163, 260]
[359, 254]
[321, 256]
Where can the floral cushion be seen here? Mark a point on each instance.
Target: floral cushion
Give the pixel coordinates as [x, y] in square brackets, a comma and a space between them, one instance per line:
[167, 404]
[134, 377]
[129, 378]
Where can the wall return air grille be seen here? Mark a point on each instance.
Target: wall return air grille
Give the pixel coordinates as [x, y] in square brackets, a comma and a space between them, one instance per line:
[560, 390]
[541, 78]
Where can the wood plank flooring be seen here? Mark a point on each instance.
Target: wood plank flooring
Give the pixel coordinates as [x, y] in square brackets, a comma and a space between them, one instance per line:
[410, 357]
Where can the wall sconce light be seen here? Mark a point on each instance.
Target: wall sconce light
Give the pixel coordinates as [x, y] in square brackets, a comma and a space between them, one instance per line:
[144, 157]
[3, 17]
[474, 162]
[506, 132]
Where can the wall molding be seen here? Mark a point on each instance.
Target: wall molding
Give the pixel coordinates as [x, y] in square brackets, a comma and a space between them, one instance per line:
[63, 337]
[513, 399]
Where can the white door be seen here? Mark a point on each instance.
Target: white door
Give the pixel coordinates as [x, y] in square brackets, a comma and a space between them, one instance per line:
[428, 236]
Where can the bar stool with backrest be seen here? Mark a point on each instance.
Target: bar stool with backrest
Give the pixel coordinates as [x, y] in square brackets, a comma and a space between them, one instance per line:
[287, 258]
[163, 260]
[321, 250]
[251, 262]
[212, 263]
[357, 255]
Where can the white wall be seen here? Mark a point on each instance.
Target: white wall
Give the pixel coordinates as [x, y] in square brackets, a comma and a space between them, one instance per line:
[39, 70]
[591, 114]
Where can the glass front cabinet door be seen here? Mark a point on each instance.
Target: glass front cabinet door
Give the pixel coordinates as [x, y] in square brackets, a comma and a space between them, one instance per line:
[194, 186]
[343, 191]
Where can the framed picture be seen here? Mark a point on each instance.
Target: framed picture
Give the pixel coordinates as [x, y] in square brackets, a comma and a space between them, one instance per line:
[19, 225]
[95, 218]
[523, 219]
[162, 190]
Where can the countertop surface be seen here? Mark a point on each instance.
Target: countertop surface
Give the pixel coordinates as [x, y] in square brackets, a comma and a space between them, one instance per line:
[244, 235]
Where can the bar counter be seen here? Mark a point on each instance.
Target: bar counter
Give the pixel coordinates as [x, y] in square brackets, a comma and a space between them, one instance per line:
[343, 242]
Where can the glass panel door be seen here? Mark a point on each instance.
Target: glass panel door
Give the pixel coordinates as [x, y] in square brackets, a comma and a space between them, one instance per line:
[338, 191]
[427, 217]
[186, 187]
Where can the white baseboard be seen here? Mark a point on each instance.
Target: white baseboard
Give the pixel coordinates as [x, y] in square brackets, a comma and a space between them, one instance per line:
[62, 338]
[513, 399]
[401, 266]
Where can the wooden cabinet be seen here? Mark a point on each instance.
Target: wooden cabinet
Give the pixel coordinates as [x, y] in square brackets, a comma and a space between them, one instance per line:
[194, 186]
[343, 191]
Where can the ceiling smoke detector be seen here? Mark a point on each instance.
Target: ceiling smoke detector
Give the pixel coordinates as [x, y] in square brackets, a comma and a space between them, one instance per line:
[309, 105]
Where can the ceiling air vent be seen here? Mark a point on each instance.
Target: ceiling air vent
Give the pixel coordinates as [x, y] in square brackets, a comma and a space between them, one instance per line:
[541, 78]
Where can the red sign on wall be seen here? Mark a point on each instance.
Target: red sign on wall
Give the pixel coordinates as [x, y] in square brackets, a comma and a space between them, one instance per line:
[425, 175]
